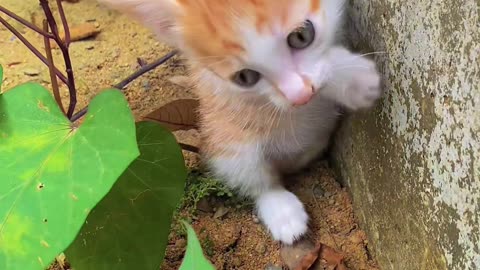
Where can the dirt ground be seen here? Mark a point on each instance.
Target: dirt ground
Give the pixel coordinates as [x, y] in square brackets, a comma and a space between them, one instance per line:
[236, 240]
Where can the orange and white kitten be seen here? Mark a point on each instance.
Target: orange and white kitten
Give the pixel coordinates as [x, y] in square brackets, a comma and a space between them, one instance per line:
[269, 76]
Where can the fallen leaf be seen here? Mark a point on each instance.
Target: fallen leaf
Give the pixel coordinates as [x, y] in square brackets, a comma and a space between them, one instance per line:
[305, 255]
[293, 255]
[309, 259]
[81, 31]
[177, 115]
[332, 257]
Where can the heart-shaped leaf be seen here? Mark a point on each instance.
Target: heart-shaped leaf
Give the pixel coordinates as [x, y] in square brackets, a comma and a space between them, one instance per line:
[129, 228]
[177, 115]
[52, 173]
[194, 258]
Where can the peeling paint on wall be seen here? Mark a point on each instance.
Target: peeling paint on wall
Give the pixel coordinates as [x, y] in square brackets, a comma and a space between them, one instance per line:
[426, 164]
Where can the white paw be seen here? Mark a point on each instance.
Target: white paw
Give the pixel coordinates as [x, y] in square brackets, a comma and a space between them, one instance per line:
[364, 87]
[283, 214]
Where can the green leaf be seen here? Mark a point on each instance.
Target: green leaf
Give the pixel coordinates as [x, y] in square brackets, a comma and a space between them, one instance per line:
[129, 228]
[52, 173]
[194, 258]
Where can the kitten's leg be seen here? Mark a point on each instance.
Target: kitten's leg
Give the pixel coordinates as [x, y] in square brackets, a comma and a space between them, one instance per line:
[354, 81]
[280, 210]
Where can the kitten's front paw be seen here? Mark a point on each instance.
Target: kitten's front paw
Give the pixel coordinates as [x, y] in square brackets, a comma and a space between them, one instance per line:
[364, 87]
[283, 214]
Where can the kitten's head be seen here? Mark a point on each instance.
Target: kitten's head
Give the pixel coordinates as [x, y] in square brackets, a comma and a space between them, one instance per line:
[267, 49]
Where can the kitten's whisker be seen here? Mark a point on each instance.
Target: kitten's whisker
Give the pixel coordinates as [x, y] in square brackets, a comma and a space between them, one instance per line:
[371, 53]
[294, 134]
[209, 57]
[362, 55]
[349, 67]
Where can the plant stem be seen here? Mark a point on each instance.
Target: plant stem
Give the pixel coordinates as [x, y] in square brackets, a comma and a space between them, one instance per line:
[66, 55]
[129, 79]
[51, 69]
[190, 148]
[25, 22]
[32, 48]
[144, 70]
[66, 29]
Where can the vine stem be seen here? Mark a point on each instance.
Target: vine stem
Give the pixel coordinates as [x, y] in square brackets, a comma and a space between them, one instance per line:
[51, 69]
[63, 45]
[121, 85]
[66, 29]
[25, 22]
[32, 48]
[190, 148]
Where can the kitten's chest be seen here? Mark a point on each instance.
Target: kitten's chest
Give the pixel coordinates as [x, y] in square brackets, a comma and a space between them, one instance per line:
[302, 128]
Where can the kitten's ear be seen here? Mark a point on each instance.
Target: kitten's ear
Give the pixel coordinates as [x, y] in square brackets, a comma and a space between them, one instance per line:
[158, 15]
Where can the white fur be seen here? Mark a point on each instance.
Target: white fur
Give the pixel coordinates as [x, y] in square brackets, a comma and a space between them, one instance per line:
[247, 170]
[354, 81]
[284, 214]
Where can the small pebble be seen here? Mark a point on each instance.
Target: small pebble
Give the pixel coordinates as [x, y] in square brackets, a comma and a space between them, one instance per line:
[220, 212]
[273, 267]
[255, 219]
[146, 85]
[236, 262]
[261, 248]
[318, 191]
[31, 72]
[181, 243]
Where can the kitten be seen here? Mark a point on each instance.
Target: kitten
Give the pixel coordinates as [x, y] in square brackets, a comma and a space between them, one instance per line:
[269, 76]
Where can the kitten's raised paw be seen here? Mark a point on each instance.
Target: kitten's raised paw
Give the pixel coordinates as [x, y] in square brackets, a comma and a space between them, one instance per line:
[283, 214]
[364, 88]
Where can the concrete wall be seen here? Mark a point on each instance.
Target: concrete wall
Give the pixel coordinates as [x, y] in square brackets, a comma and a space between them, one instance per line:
[413, 164]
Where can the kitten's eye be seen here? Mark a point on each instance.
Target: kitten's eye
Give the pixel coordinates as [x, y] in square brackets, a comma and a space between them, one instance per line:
[246, 77]
[302, 37]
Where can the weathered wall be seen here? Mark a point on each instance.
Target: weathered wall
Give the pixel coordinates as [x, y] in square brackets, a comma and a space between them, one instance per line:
[413, 164]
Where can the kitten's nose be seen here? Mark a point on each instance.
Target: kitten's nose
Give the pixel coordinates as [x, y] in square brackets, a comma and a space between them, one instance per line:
[304, 97]
[296, 88]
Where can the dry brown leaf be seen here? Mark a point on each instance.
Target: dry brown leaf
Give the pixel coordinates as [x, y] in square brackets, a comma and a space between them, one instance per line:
[332, 257]
[308, 260]
[292, 255]
[177, 115]
[81, 31]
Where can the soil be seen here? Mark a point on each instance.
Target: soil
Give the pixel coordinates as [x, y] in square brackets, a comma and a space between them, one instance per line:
[235, 240]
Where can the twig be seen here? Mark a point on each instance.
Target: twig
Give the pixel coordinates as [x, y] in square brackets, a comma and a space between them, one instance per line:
[32, 48]
[66, 29]
[129, 79]
[144, 70]
[189, 148]
[51, 69]
[25, 22]
[66, 55]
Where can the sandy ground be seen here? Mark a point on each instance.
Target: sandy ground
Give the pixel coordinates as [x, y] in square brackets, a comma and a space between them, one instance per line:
[236, 240]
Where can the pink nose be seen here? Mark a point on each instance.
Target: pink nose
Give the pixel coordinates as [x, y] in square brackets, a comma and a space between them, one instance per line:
[303, 97]
[296, 88]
